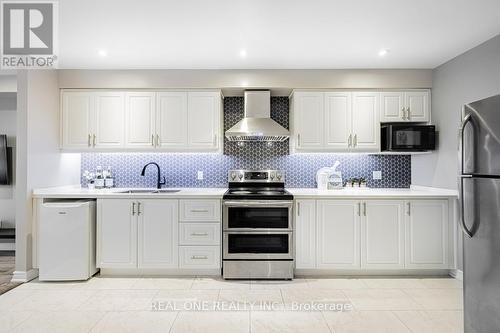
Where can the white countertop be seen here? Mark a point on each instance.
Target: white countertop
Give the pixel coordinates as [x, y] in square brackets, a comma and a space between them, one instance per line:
[413, 192]
[311, 193]
[80, 192]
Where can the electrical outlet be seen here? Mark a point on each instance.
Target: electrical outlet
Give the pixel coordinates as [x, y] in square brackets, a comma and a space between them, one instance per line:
[377, 175]
[200, 175]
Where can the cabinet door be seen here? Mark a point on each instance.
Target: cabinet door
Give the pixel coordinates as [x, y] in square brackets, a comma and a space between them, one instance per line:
[337, 234]
[305, 234]
[365, 121]
[140, 120]
[392, 107]
[337, 121]
[109, 129]
[204, 118]
[417, 104]
[158, 233]
[171, 120]
[382, 234]
[427, 234]
[76, 120]
[308, 120]
[116, 233]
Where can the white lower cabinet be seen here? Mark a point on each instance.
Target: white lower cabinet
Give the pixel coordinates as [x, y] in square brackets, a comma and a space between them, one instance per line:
[427, 234]
[337, 234]
[157, 233]
[382, 234]
[145, 234]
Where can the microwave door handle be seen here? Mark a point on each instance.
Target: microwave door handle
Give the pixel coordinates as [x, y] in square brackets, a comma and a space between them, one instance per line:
[461, 146]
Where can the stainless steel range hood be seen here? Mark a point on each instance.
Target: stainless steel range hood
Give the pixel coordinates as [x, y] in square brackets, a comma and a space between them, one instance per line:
[257, 124]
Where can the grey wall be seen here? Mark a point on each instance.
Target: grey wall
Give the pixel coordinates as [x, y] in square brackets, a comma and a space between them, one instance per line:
[471, 76]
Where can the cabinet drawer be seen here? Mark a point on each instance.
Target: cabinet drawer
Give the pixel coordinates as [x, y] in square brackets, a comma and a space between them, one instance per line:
[199, 234]
[200, 210]
[199, 256]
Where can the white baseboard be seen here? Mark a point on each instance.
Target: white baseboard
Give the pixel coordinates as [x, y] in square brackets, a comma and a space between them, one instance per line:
[457, 274]
[24, 276]
[7, 246]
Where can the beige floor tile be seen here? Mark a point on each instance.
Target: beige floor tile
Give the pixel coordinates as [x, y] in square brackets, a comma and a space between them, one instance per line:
[212, 322]
[307, 296]
[163, 283]
[381, 299]
[432, 321]
[120, 300]
[364, 322]
[396, 283]
[108, 283]
[59, 321]
[10, 319]
[442, 283]
[219, 283]
[54, 300]
[13, 297]
[172, 300]
[437, 299]
[42, 285]
[135, 322]
[253, 299]
[277, 284]
[336, 284]
[291, 321]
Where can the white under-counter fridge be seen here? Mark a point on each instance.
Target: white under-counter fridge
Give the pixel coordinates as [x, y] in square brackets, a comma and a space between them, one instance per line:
[67, 233]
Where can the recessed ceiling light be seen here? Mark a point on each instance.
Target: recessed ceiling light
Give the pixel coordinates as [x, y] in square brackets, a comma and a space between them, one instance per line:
[243, 53]
[103, 53]
[383, 52]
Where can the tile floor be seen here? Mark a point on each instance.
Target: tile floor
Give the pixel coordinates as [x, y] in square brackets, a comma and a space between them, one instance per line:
[153, 305]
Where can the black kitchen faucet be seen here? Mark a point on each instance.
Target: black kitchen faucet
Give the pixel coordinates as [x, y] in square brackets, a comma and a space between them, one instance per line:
[159, 182]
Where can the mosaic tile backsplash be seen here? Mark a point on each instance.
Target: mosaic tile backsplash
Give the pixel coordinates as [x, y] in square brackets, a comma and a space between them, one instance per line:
[181, 169]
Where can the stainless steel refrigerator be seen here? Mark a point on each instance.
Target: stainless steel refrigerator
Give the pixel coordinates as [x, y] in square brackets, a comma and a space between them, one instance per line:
[480, 213]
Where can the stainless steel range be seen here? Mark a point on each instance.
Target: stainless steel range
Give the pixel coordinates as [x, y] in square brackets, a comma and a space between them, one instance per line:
[258, 241]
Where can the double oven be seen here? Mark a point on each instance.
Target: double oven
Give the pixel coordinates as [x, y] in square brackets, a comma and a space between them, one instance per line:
[258, 230]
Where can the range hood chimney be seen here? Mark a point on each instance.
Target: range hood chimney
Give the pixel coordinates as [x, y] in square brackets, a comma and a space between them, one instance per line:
[257, 124]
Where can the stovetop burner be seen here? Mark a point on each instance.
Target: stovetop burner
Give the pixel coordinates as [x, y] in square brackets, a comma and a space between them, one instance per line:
[255, 185]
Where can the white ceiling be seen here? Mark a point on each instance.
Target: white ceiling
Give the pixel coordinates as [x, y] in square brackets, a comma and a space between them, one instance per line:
[277, 34]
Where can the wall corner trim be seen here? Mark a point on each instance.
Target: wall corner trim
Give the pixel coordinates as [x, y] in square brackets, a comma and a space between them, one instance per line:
[24, 276]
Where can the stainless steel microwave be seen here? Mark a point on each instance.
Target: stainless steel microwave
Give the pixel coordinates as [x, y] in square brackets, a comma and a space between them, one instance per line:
[408, 137]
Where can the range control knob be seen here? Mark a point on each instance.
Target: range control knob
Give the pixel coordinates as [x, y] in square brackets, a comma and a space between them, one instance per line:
[272, 175]
[240, 176]
[279, 176]
[234, 175]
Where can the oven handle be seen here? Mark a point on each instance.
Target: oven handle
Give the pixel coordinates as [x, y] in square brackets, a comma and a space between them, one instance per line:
[270, 203]
[258, 232]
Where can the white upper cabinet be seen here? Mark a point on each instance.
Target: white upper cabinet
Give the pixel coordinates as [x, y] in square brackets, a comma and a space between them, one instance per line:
[77, 120]
[405, 106]
[139, 119]
[382, 234]
[338, 119]
[109, 131]
[308, 118]
[365, 121]
[392, 106]
[171, 120]
[427, 234]
[337, 234]
[204, 120]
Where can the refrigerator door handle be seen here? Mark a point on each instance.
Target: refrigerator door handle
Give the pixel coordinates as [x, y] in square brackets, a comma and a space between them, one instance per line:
[463, 225]
[467, 119]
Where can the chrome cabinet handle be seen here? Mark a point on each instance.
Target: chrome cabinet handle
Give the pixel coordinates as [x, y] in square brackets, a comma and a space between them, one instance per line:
[298, 208]
[359, 208]
[199, 234]
[88, 140]
[355, 141]
[298, 139]
[139, 209]
[158, 140]
[364, 208]
[404, 114]
[408, 113]
[133, 208]
[199, 210]
[152, 140]
[408, 212]
[349, 141]
[94, 139]
[199, 257]
[215, 139]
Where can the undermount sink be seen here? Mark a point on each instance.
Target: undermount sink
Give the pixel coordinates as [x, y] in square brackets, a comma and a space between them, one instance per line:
[149, 191]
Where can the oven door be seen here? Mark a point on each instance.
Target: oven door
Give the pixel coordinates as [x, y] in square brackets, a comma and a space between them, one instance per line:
[246, 215]
[412, 138]
[270, 245]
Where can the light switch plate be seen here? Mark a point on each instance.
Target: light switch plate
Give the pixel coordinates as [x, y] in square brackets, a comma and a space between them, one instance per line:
[200, 175]
[377, 175]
